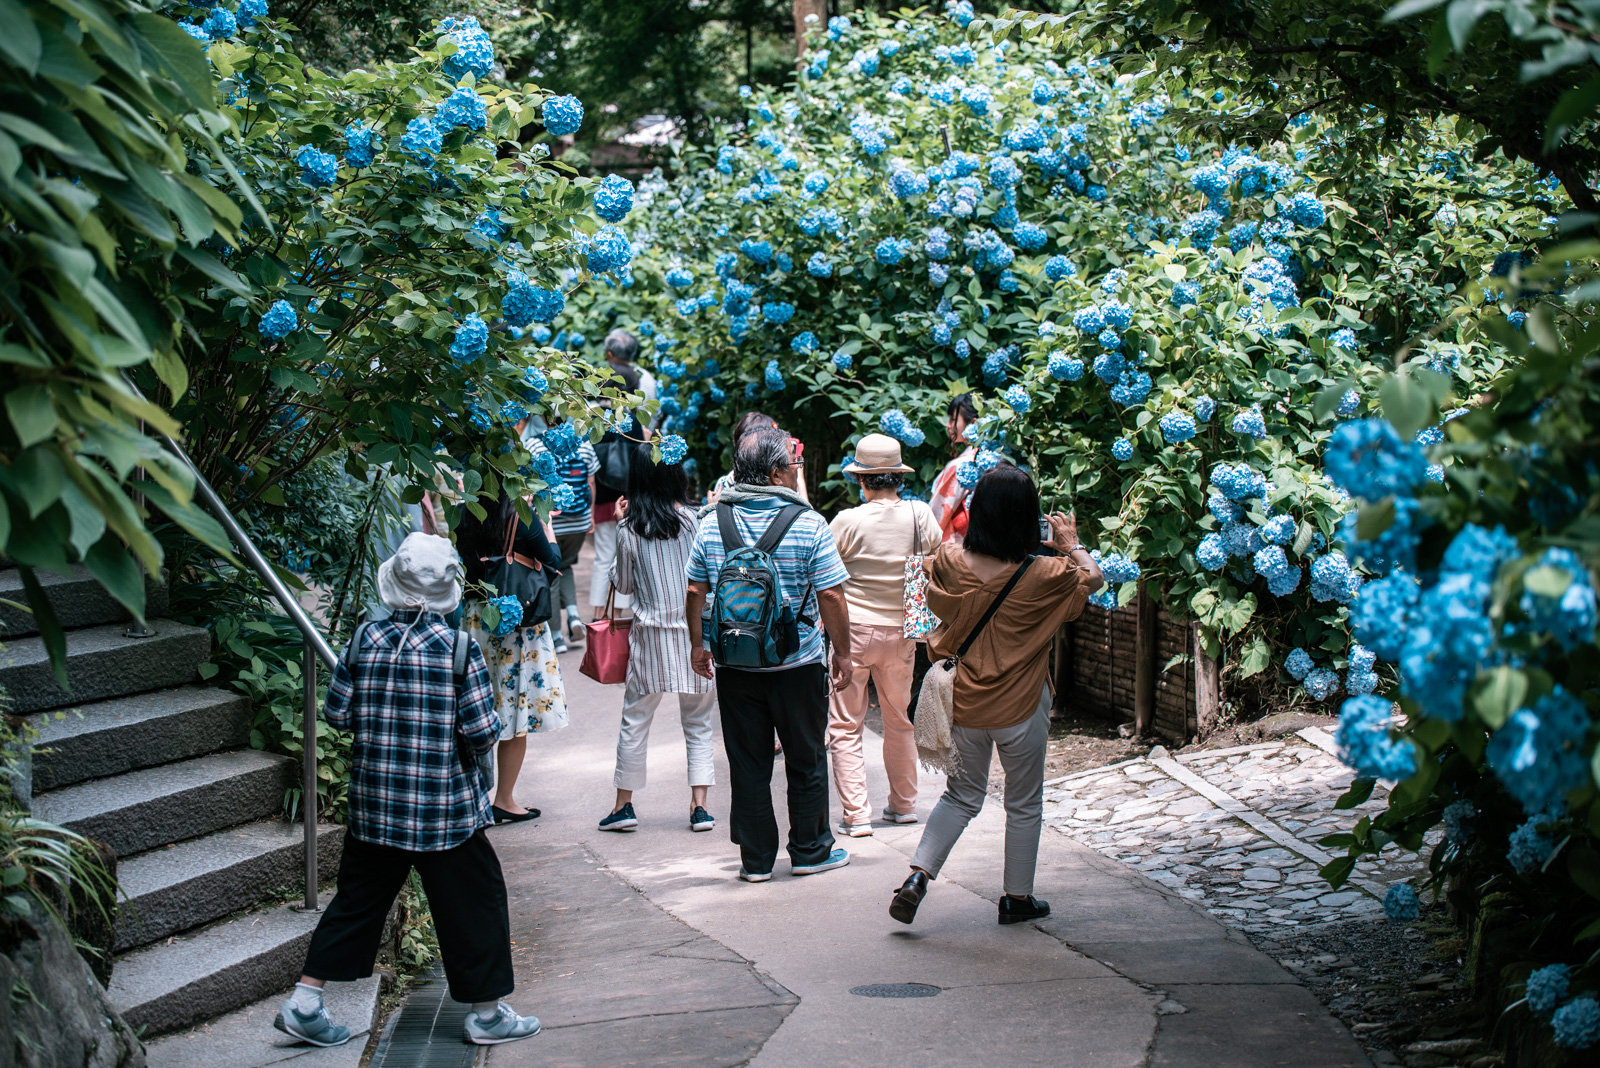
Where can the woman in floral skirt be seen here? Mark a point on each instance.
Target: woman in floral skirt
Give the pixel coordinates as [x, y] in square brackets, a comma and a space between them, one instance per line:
[528, 693]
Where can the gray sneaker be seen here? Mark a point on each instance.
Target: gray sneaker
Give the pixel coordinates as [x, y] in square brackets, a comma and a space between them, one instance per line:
[317, 1029]
[504, 1026]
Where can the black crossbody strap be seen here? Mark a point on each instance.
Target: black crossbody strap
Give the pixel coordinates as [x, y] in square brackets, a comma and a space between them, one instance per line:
[779, 527]
[994, 606]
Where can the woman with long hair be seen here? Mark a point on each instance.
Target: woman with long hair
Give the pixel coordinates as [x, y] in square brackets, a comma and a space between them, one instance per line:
[529, 696]
[999, 679]
[949, 498]
[654, 540]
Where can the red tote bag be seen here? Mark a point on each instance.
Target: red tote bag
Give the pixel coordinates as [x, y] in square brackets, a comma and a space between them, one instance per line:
[605, 659]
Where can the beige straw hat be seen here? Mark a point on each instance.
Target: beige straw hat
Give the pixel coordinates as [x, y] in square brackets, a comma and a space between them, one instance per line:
[877, 454]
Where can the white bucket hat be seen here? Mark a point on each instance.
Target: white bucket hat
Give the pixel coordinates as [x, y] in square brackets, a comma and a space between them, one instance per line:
[425, 572]
[877, 454]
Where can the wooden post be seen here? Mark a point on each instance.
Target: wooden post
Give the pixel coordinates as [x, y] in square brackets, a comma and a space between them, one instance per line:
[1144, 663]
[802, 8]
[1207, 686]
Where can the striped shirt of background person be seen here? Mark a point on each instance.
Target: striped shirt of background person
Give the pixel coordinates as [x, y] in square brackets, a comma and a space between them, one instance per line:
[654, 572]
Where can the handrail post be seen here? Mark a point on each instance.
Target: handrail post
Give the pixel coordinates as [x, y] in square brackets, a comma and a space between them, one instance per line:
[308, 794]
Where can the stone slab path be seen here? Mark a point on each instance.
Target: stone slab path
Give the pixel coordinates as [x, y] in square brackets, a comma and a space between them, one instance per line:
[1233, 830]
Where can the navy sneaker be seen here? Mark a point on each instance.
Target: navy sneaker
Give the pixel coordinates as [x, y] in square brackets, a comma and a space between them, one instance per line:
[701, 820]
[622, 819]
[837, 859]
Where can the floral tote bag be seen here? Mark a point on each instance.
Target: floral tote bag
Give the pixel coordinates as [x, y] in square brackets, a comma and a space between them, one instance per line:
[920, 620]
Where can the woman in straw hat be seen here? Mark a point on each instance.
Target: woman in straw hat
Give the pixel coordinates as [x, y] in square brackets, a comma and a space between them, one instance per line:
[874, 540]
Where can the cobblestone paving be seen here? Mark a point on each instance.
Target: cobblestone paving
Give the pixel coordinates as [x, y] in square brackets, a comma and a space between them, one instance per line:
[1234, 830]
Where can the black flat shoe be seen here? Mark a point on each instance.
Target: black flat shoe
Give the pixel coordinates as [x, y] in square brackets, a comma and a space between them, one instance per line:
[909, 896]
[502, 816]
[1013, 910]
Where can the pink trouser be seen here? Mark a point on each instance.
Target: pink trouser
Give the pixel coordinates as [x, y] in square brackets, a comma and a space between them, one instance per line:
[883, 654]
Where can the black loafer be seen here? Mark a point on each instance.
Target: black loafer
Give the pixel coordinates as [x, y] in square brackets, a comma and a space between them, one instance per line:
[502, 816]
[1014, 910]
[909, 896]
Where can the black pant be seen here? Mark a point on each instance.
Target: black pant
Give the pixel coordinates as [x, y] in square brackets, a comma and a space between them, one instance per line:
[795, 704]
[466, 892]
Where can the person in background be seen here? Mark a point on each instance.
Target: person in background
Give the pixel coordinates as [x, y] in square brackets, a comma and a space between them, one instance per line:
[874, 541]
[949, 498]
[653, 547]
[414, 805]
[619, 344]
[997, 682]
[792, 697]
[571, 529]
[529, 696]
[748, 424]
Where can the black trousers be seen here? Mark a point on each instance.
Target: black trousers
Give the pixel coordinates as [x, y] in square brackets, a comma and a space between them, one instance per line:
[795, 704]
[466, 892]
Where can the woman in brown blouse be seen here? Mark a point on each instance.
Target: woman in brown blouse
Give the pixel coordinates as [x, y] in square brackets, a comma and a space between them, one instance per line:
[998, 684]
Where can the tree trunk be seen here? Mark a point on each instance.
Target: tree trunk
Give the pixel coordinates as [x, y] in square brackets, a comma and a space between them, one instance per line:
[802, 8]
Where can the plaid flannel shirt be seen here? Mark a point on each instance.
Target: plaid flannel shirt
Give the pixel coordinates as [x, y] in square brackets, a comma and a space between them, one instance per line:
[408, 789]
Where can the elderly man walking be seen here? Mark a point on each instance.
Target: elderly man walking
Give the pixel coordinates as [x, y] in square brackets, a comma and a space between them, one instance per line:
[768, 563]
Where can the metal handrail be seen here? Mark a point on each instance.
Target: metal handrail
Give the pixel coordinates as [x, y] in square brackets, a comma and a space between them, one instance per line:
[315, 648]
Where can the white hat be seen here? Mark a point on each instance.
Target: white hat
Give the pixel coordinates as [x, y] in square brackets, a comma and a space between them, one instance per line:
[877, 454]
[425, 572]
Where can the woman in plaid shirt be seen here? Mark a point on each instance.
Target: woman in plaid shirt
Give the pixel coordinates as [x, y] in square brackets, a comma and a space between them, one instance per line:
[417, 801]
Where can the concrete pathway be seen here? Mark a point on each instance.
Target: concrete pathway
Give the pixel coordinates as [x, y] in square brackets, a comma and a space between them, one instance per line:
[644, 948]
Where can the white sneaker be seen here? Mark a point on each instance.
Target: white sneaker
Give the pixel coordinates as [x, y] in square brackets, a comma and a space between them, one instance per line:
[755, 876]
[856, 830]
[504, 1026]
[890, 816]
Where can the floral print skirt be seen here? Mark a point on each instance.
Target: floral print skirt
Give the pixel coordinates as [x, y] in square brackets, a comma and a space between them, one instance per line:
[528, 695]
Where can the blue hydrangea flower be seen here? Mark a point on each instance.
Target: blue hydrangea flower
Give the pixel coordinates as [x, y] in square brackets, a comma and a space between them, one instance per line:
[1212, 552]
[1178, 427]
[1064, 367]
[563, 115]
[563, 497]
[679, 278]
[977, 98]
[422, 139]
[673, 449]
[510, 614]
[1043, 92]
[608, 250]
[614, 198]
[251, 10]
[279, 321]
[1538, 755]
[1306, 210]
[1577, 1023]
[1457, 817]
[1547, 988]
[1364, 742]
[1367, 459]
[1332, 579]
[534, 384]
[1349, 404]
[1479, 552]
[1568, 616]
[1401, 904]
[464, 107]
[843, 361]
[1344, 339]
[220, 23]
[471, 341]
[819, 266]
[1321, 684]
[317, 169]
[773, 377]
[1249, 423]
[1131, 389]
[891, 250]
[756, 251]
[905, 183]
[1298, 663]
[1529, 848]
[474, 52]
[777, 312]
[803, 342]
[1029, 236]
[1279, 530]
[1122, 449]
[815, 185]
[1204, 408]
[359, 144]
[1058, 267]
[1018, 399]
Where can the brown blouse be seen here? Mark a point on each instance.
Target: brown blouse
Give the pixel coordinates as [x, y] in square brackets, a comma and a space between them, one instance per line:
[999, 682]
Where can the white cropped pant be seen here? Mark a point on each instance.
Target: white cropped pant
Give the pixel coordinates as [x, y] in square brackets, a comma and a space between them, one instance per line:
[633, 741]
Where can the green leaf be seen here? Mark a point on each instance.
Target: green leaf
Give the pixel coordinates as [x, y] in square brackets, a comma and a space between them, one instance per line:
[1410, 8]
[1543, 581]
[189, 517]
[50, 632]
[1373, 519]
[1406, 404]
[1257, 655]
[1337, 871]
[1499, 693]
[1357, 794]
[1583, 864]
[20, 41]
[114, 568]
[32, 412]
[38, 476]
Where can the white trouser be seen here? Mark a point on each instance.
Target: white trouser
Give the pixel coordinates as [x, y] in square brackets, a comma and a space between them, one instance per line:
[633, 741]
[605, 551]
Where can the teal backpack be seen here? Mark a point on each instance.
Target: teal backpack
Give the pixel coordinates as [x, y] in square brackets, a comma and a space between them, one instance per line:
[752, 626]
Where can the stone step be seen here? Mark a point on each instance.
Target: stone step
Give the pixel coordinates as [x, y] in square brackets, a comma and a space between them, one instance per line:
[245, 1038]
[140, 810]
[190, 883]
[124, 733]
[213, 970]
[78, 599]
[102, 663]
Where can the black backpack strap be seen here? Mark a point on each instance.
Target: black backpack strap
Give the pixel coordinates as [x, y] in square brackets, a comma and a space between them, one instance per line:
[779, 526]
[352, 648]
[994, 606]
[731, 539]
[458, 663]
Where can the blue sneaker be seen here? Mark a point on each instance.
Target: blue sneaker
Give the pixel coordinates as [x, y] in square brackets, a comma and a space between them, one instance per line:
[837, 859]
[701, 820]
[317, 1029]
[622, 819]
[504, 1026]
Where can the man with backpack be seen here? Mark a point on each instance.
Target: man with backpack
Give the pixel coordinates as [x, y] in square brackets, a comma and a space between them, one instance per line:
[415, 694]
[768, 565]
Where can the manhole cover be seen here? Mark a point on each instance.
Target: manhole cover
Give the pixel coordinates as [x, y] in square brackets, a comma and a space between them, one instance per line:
[895, 990]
